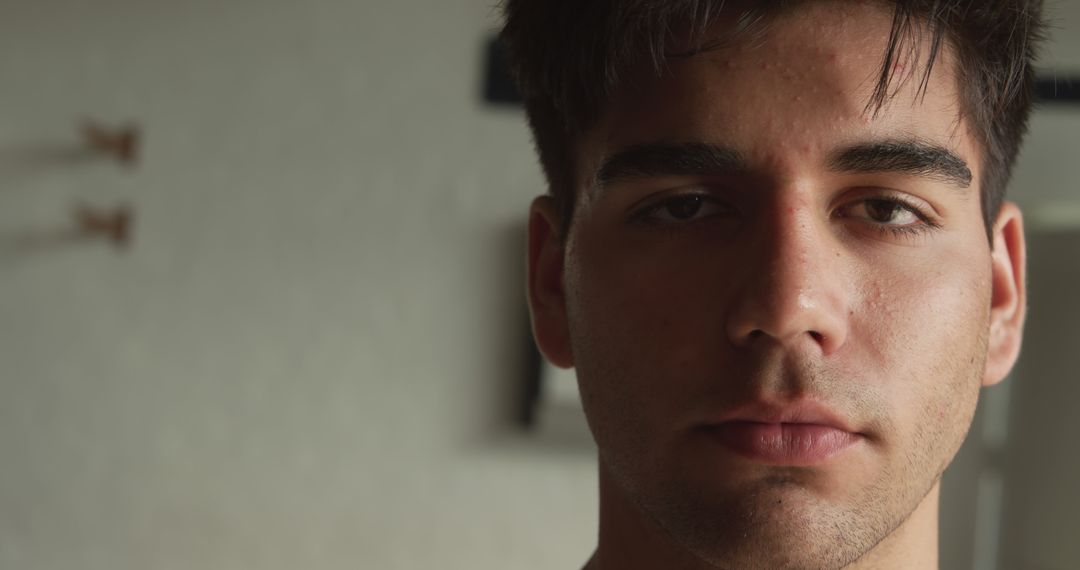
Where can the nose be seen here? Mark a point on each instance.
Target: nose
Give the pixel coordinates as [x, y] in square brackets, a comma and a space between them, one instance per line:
[792, 286]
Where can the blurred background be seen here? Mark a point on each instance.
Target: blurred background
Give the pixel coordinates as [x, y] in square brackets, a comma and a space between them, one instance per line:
[261, 303]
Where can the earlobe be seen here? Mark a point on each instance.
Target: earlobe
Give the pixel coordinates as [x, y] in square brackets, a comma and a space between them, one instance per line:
[546, 294]
[1008, 306]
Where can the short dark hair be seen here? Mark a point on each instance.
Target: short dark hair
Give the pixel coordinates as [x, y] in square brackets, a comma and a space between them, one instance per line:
[569, 56]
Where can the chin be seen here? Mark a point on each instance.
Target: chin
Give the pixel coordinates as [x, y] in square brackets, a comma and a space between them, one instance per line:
[776, 524]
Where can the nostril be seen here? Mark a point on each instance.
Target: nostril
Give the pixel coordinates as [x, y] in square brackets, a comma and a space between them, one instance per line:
[756, 334]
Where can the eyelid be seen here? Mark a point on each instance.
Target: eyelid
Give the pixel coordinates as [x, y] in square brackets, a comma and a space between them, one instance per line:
[654, 199]
[926, 211]
[661, 196]
[928, 222]
[642, 210]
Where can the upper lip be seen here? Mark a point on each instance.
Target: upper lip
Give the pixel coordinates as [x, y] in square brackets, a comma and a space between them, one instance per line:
[800, 412]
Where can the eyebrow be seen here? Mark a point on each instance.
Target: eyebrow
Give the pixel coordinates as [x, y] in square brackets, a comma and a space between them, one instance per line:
[684, 159]
[911, 157]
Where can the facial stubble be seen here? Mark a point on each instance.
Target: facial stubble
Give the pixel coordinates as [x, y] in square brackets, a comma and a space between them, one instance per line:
[779, 521]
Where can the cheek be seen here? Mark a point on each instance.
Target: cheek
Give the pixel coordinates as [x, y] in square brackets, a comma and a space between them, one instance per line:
[916, 311]
[642, 332]
[929, 338]
[640, 300]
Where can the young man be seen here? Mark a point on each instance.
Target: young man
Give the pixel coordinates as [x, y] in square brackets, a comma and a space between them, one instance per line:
[777, 253]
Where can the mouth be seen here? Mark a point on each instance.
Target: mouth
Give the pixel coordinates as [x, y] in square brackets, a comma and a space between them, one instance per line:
[800, 436]
[783, 444]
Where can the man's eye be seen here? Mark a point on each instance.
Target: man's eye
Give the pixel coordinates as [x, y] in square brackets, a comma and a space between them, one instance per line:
[681, 209]
[886, 212]
[893, 217]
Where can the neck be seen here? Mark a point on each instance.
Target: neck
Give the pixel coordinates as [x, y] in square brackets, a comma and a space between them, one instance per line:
[631, 540]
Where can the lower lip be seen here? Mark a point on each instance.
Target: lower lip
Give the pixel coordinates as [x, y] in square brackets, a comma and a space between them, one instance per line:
[796, 445]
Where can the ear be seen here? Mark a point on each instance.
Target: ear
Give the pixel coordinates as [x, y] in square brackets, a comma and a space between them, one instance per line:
[1008, 305]
[547, 297]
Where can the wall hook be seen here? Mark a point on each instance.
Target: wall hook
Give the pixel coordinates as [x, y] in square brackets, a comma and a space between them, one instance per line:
[89, 225]
[113, 225]
[120, 143]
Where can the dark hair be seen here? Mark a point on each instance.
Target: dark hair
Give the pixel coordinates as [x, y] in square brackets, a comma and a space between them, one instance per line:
[569, 56]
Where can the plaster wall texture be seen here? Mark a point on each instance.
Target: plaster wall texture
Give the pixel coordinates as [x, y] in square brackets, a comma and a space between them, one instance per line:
[308, 358]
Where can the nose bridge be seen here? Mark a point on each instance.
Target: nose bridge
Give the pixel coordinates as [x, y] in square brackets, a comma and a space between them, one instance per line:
[792, 253]
[794, 289]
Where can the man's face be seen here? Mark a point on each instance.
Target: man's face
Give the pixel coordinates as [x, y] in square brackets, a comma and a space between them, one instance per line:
[779, 305]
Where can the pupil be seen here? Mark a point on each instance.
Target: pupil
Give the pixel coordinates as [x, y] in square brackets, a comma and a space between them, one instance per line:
[881, 210]
[683, 208]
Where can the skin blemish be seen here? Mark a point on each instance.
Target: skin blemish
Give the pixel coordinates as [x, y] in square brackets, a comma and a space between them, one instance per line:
[806, 301]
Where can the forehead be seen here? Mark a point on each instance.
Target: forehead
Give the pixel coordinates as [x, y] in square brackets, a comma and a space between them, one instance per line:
[790, 93]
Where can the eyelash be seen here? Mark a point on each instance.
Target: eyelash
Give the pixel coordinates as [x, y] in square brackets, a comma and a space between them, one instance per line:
[645, 214]
[927, 223]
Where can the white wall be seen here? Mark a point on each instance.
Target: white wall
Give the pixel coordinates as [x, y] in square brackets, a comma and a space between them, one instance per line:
[308, 357]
